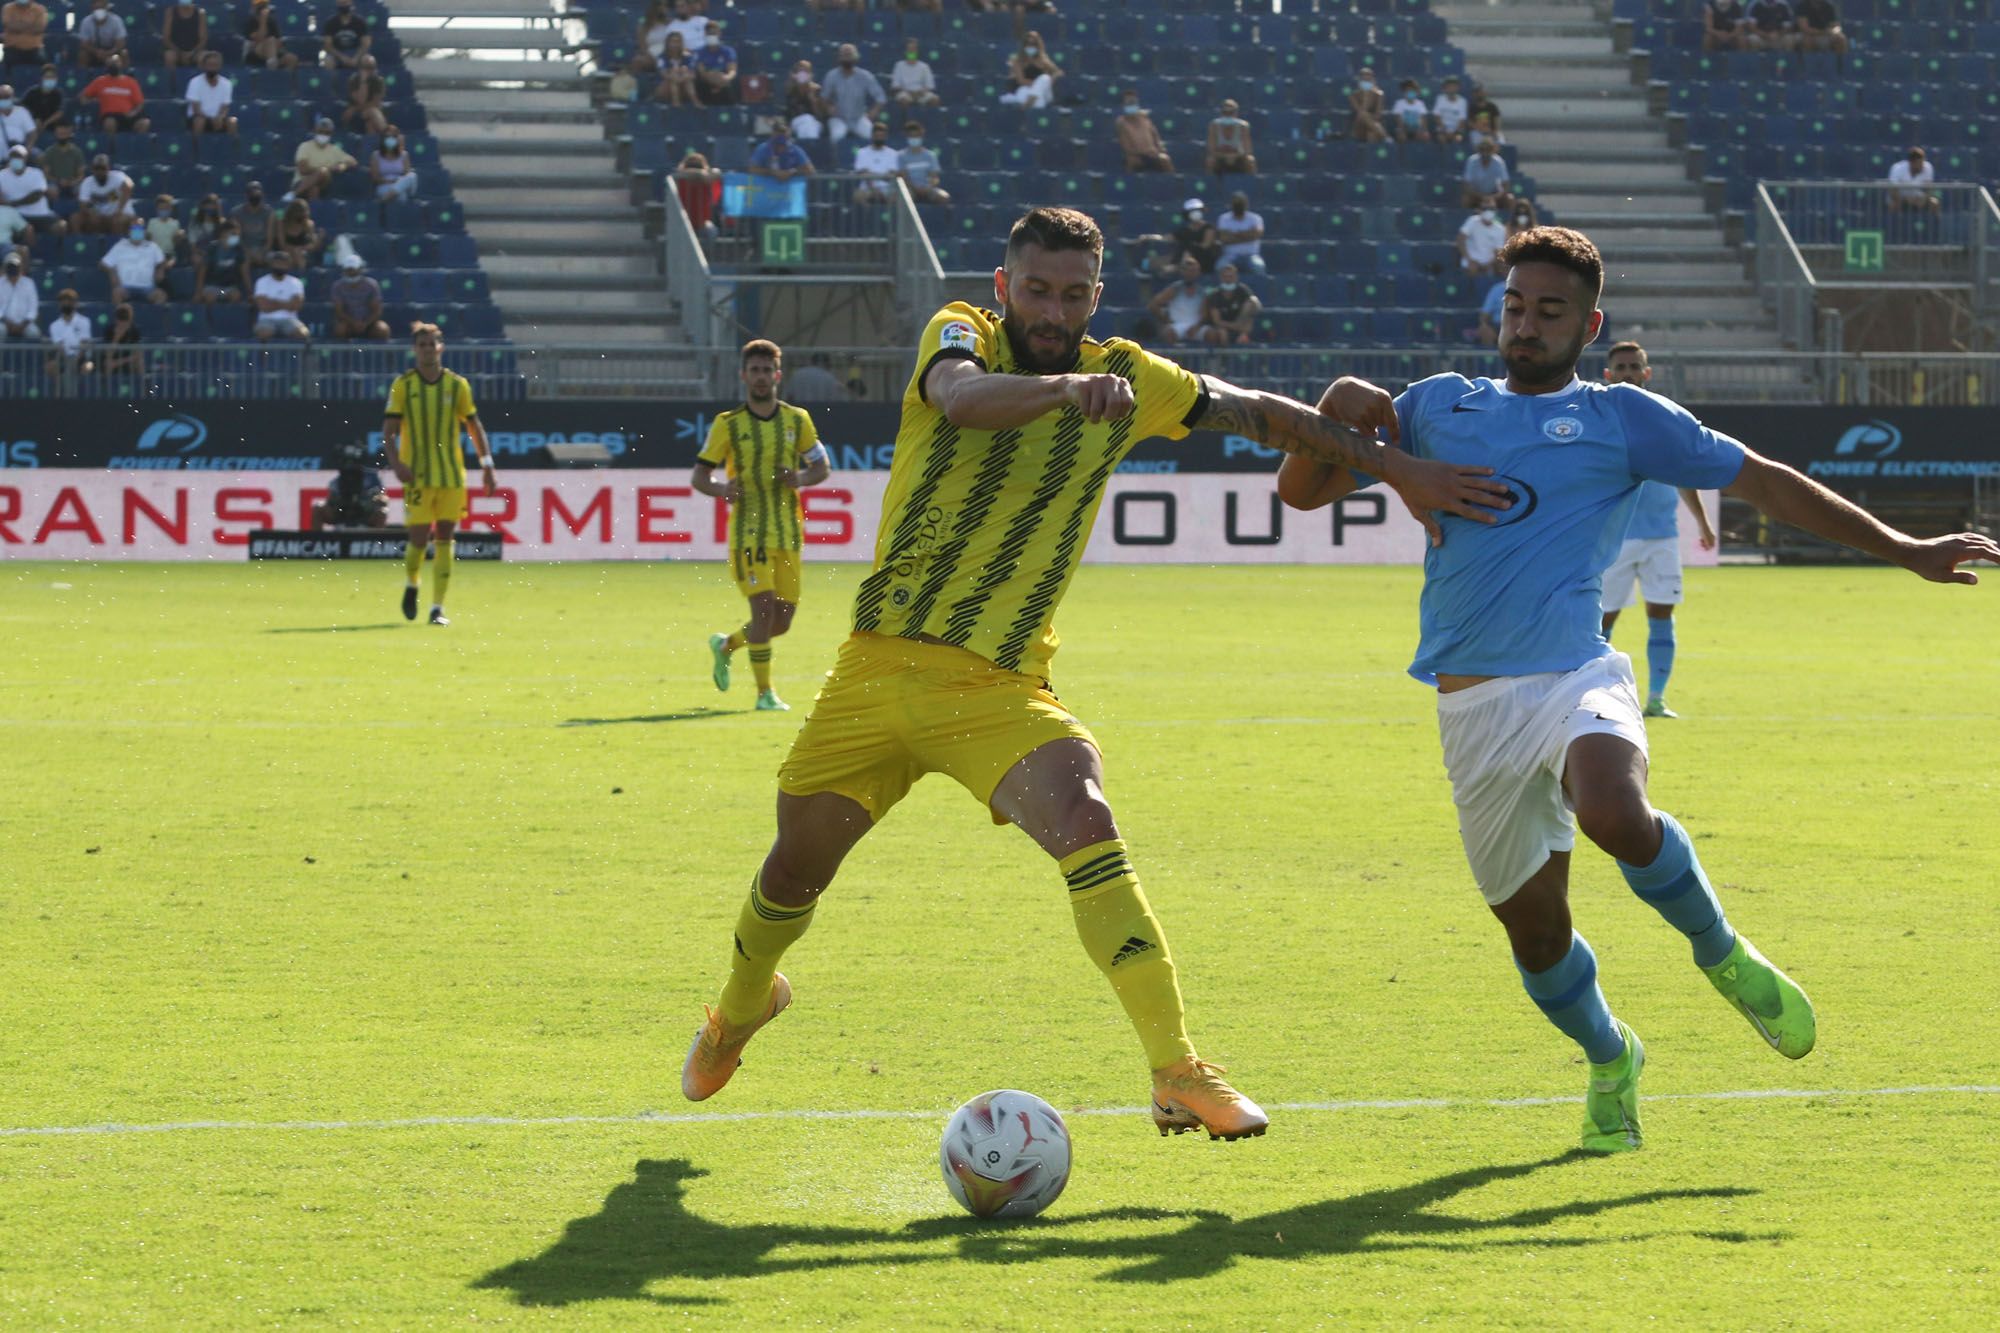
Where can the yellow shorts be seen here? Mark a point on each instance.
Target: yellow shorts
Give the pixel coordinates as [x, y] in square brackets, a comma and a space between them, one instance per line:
[432, 504]
[775, 571]
[895, 709]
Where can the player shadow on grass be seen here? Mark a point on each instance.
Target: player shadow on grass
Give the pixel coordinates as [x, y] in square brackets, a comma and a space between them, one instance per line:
[689, 716]
[645, 1234]
[333, 629]
[1397, 1218]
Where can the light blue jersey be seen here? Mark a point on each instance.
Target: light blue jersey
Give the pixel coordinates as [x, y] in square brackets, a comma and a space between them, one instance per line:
[1521, 596]
[1657, 513]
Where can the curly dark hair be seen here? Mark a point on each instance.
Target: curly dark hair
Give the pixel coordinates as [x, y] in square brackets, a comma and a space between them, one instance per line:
[1056, 229]
[1563, 248]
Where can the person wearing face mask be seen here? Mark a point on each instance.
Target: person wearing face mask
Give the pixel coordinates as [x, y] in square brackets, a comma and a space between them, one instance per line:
[1364, 109]
[183, 34]
[1483, 184]
[264, 37]
[715, 68]
[20, 303]
[100, 36]
[219, 266]
[778, 157]
[678, 85]
[804, 103]
[204, 223]
[919, 167]
[1521, 217]
[44, 101]
[366, 89]
[1242, 235]
[1139, 138]
[1229, 311]
[298, 237]
[344, 37]
[911, 82]
[317, 162]
[1410, 116]
[1196, 238]
[164, 230]
[71, 336]
[390, 168]
[1176, 308]
[1480, 238]
[209, 97]
[63, 162]
[17, 123]
[121, 341]
[118, 99]
[850, 96]
[136, 268]
[357, 304]
[253, 219]
[279, 297]
[24, 192]
[104, 200]
[877, 163]
[1033, 74]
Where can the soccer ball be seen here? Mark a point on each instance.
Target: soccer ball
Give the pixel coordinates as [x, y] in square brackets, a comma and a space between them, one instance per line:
[1005, 1154]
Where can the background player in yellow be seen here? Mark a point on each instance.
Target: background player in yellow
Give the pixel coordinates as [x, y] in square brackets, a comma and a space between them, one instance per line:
[769, 452]
[1012, 425]
[428, 407]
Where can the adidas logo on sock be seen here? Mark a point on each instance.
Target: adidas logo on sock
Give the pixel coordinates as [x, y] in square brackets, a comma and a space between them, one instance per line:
[1131, 948]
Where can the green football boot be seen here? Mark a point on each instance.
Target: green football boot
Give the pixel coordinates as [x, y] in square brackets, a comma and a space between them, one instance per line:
[1611, 1107]
[718, 648]
[1657, 707]
[769, 702]
[1772, 1001]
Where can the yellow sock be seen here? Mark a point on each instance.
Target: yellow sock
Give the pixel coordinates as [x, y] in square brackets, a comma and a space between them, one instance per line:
[760, 665]
[441, 571]
[764, 931]
[736, 641]
[413, 559]
[1122, 936]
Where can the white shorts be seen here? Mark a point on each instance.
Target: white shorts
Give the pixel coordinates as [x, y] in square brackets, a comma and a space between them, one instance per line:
[1505, 743]
[1654, 563]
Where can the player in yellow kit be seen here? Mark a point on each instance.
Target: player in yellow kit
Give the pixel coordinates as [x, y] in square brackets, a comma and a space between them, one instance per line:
[1012, 425]
[428, 408]
[769, 452]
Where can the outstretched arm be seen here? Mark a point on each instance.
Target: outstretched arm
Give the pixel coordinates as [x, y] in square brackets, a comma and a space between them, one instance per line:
[1692, 499]
[973, 399]
[1791, 497]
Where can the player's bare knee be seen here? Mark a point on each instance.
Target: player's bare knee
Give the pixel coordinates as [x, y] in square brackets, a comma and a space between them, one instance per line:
[792, 880]
[1623, 825]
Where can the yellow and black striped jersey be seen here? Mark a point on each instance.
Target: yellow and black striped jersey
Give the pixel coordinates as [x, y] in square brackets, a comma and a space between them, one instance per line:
[433, 413]
[755, 449]
[982, 530]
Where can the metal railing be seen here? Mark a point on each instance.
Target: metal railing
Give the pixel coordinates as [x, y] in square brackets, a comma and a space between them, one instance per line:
[919, 277]
[691, 286]
[1784, 276]
[189, 372]
[850, 229]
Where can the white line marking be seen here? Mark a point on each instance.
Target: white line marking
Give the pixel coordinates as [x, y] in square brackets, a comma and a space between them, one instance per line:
[941, 1113]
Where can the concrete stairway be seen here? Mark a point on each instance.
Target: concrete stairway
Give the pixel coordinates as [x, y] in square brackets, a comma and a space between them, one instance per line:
[1602, 164]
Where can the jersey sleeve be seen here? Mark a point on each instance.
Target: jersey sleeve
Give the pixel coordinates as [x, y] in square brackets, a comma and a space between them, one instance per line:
[1167, 395]
[399, 399]
[1666, 442]
[716, 451]
[808, 434]
[467, 409]
[956, 331]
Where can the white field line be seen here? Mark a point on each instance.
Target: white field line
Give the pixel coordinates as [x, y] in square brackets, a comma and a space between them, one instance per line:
[732, 1117]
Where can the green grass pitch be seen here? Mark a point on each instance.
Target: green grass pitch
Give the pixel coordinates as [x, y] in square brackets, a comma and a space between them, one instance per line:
[275, 859]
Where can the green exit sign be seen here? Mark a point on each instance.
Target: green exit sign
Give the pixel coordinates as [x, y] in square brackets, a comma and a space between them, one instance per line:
[784, 242]
[1864, 252]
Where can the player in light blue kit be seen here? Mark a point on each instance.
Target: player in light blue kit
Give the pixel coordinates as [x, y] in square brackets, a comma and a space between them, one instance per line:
[1538, 715]
[1650, 556]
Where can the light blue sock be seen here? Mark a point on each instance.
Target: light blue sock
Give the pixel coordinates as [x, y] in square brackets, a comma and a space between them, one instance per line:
[1659, 656]
[1675, 887]
[1568, 994]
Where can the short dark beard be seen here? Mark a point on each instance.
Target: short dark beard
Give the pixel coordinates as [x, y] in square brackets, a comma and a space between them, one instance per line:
[1555, 378]
[1017, 334]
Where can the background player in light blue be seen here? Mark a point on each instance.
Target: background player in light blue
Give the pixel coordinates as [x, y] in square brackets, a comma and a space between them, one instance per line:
[1538, 715]
[1650, 556]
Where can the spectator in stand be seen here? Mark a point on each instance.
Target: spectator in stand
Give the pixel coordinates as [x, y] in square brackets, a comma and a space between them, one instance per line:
[1410, 117]
[104, 200]
[1196, 237]
[20, 303]
[219, 266]
[118, 98]
[1138, 138]
[1177, 307]
[700, 189]
[803, 103]
[778, 157]
[123, 337]
[1230, 151]
[624, 85]
[690, 23]
[136, 267]
[22, 23]
[1480, 237]
[1479, 104]
[389, 167]
[17, 123]
[344, 38]
[1242, 236]
[877, 163]
[100, 36]
[164, 230]
[264, 37]
[298, 238]
[317, 162]
[1031, 74]
[715, 69]
[70, 337]
[63, 162]
[1914, 174]
[1772, 26]
[910, 81]
[253, 219]
[1819, 27]
[654, 26]
[1724, 26]
[849, 97]
[919, 167]
[25, 190]
[679, 84]
[209, 98]
[814, 382]
[1480, 130]
[1364, 109]
[1229, 311]
[365, 90]
[279, 297]
[44, 102]
[1449, 112]
[15, 233]
[1491, 307]
[1483, 184]
[205, 223]
[183, 34]
[357, 304]
[1522, 218]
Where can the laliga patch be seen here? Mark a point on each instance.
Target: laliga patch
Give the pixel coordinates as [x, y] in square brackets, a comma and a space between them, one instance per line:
[958, 336]
[1562, 429]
